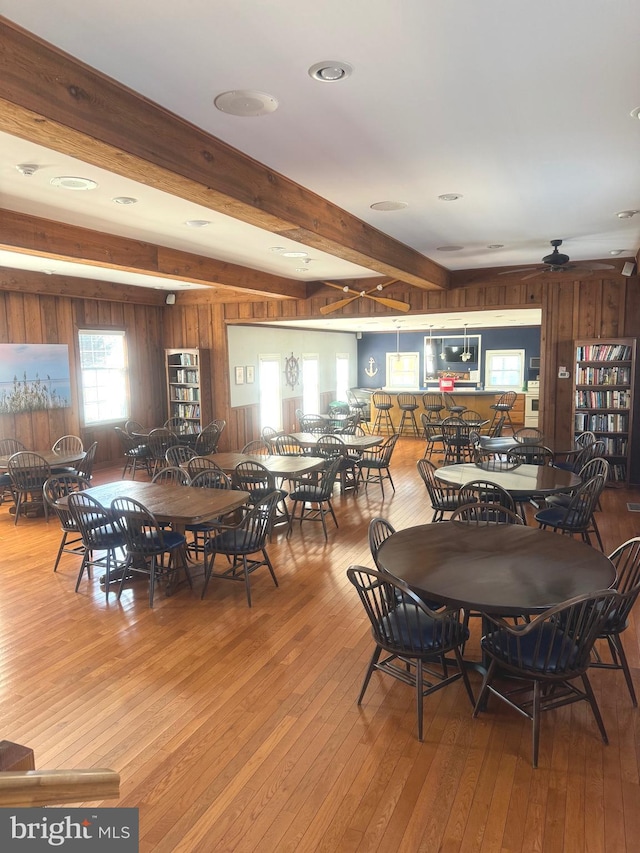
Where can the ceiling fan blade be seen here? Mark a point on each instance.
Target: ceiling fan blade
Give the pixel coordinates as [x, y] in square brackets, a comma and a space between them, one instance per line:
[597, 266]
[513, 272]
[335, 306]
[389, 303]
[533, 274]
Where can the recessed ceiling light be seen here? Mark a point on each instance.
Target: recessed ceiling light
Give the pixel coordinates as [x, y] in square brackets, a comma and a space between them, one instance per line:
[450, 248]
[70, 183]
[616, 251]
[635, 113]
[48, 272]
[450, 196]
[330, 71]
[389, 205]
[197, 223]
[294, 254]
[277, 249]
[495, 246]
[626, 214]
[246, 103]
[302, 269]
[125, 199]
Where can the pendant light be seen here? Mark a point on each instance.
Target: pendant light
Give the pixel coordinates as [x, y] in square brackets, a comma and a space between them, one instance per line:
[466, 355]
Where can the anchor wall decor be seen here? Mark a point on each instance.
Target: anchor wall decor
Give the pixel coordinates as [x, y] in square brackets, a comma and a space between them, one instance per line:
[372, 369]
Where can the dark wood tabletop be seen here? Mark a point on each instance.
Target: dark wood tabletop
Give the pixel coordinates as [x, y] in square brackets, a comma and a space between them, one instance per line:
[55, 460]
[281, 466]
[506, 569]
[354, 442]
[180, 505]
[504, 443]
[520, 482]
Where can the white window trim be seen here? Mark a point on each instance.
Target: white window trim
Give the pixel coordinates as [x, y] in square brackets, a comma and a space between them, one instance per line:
[491, 353]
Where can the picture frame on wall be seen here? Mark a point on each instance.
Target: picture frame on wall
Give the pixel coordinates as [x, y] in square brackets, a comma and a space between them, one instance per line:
[250, 374]
[239, 375]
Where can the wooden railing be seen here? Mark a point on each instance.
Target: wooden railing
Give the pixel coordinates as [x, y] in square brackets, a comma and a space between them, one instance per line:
[21, 785]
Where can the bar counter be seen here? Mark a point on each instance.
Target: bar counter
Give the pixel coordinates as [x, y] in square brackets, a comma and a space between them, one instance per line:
[471, 397]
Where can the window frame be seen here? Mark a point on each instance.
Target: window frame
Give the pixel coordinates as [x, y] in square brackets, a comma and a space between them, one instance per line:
[104, 331]
[503, 386]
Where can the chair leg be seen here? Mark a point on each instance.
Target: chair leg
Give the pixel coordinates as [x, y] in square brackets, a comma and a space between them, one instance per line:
[535, 714]
[484, 689]
[60, 549]
[419, 697]
[615, 645]
[465, 676]
[597, 533]
[375, 657]
[594, 706]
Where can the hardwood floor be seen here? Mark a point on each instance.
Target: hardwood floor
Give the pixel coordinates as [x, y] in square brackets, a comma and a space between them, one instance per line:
[237, 728]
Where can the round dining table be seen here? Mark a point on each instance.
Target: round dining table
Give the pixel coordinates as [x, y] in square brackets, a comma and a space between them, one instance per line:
[504, 569]
[521, 481]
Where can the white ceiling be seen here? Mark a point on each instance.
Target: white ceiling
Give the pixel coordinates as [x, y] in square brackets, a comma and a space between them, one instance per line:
[522, 108]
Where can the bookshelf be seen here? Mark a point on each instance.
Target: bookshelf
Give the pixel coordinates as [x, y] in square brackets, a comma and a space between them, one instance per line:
[603, 399]
[188, 388]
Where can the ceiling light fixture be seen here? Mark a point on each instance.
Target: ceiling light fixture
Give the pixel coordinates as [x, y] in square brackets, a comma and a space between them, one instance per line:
[466, 355]
[635, 113]
[246, 103]
[302, 269]
[626, 214]
[450, 196]
[330, 71]
[27, 169]
[125, 199]
[389, 205]
[197, 223]
[294, 254]
[66, 182]
[616, 251]
[277, 249]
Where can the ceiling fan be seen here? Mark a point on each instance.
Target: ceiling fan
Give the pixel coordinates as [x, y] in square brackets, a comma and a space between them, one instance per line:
[366, 294]
[558, 262]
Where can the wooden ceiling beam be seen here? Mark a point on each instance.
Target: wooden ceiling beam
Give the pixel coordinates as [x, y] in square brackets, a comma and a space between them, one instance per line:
[48, 97]
[50, 239]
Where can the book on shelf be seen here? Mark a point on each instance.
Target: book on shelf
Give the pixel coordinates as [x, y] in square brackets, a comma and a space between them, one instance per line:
[604, 352]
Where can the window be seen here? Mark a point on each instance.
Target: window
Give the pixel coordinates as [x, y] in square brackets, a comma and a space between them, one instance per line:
[104, 375]
[269, 373]
[403, 369]
[504, 369]
[310, 389]
[342, 376]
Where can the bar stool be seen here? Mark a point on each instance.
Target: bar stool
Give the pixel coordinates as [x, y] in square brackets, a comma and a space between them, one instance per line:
[503, 408]
[451, 406]
[433, 405]
[408, 404]
[382, 404]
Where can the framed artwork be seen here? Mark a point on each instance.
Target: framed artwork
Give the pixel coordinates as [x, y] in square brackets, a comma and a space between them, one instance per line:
[239, 375]
[34, 377]
[250, 374]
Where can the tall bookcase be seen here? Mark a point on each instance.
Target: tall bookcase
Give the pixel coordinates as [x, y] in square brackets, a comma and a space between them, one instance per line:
[188, 386]
[603, 400]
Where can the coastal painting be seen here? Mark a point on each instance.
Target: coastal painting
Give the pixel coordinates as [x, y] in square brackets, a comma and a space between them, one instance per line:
[34, 377]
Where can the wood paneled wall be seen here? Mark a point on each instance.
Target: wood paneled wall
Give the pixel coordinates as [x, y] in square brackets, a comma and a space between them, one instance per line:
[43, 319]
[570, 309]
